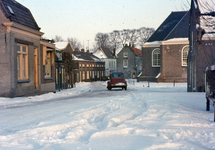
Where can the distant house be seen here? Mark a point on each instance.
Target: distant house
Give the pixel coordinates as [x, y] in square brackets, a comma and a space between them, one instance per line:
[47, 65]
[19, 50]
[87, 67]
[108, 57]
[63, 63]
[165, 53]
[129, 61]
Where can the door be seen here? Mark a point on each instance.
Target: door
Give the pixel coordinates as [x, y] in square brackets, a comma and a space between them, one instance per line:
[133, 75]
[35, 68]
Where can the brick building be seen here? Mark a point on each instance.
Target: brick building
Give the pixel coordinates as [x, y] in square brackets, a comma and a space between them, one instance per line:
[87, 67]
[165, 53]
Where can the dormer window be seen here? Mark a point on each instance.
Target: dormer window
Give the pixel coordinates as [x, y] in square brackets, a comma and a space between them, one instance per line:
[10, 9]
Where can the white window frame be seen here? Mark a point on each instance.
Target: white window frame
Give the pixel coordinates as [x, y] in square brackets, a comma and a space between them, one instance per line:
[22, 62]
[124, 63]
[183, 59]
[125, 54]
[158, 61]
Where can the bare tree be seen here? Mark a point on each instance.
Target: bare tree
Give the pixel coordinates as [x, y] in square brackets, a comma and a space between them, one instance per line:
[114, 39]
[58, 38]
[133, 35]
[124, 37]
[145, 34]
[102, 40]
[75, 43]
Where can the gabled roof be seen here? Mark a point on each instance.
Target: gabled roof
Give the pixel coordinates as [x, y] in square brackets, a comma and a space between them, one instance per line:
[138, 52]
[78, 55]
[103, 52]
[175, 26]
[107, 52]
[18, 13]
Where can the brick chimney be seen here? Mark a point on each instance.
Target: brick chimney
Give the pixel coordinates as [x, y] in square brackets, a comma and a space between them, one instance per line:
[76, 49]
[88, 51]
[114, 52]
[82, 50]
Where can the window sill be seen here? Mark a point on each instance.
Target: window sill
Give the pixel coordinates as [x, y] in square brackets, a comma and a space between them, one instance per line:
[48, 78]
[24, 81]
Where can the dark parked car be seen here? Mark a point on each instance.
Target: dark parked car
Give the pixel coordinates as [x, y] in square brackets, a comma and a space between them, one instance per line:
[117, 80]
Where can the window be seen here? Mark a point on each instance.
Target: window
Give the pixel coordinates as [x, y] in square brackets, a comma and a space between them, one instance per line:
[83, 65]
[83, 75]
[87, 65]
[22, 62]
[93, 74]
[88, 75]
[48, 65]
[80, 65]
[125, 54]
[80, 76]
[156, 57]
[125, 63]
[97, 74]
[184, 53]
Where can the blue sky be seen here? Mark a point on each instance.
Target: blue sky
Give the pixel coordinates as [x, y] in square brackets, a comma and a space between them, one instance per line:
[82, 19]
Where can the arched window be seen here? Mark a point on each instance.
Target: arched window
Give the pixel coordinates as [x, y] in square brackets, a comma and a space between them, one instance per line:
[156, 57]
[184, 55]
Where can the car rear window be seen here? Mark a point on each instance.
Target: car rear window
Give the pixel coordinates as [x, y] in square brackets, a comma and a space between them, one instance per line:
[117, 75]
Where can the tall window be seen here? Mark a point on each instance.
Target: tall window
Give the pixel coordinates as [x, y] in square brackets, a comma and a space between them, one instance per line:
[184, 53]
[156, 57]
[83, 75]
[88, 75]
[48, 65]
[125, 63]
[22, 62]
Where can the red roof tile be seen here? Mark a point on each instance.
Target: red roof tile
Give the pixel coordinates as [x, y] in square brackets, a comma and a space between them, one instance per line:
[138, 52]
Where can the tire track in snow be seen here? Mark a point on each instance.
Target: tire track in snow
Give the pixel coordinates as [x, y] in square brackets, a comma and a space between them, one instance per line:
[114, 114]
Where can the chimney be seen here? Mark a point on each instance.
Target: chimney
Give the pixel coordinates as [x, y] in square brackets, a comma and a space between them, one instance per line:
[82, 50]
[114, 52]
[76, 49]
[88, 51]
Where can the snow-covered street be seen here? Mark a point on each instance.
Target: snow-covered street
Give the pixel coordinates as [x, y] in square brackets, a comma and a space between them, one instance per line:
[91, 117]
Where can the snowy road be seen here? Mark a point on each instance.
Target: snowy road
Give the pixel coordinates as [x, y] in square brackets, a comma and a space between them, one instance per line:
[91, 117]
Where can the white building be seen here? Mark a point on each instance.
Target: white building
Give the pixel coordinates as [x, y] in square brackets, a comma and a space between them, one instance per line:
[108, 57]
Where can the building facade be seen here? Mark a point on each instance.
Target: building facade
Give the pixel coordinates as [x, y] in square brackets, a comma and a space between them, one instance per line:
[87, 67]
[19, 50]
[64, 73]
[47, 65]
[165, 53]
[129, 61]
[108, 57]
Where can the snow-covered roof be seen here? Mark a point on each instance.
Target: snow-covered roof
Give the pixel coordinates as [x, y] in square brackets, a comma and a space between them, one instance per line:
[100, 54]
[61, 45]
[85, 56]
